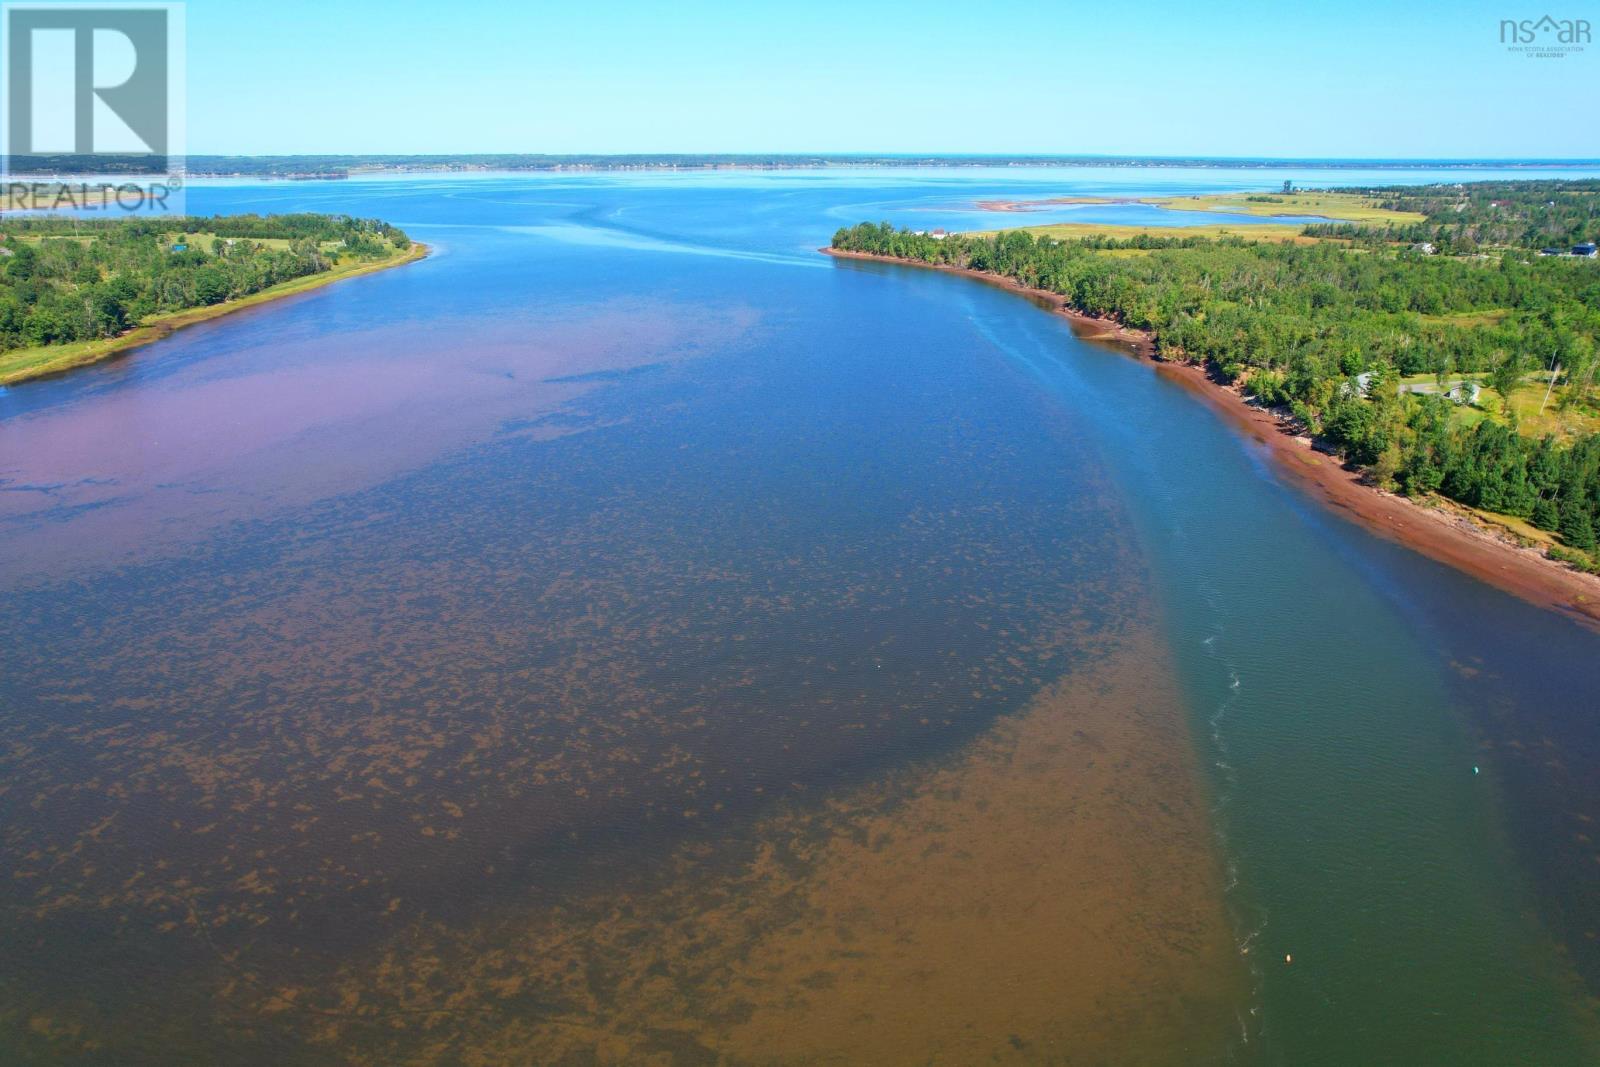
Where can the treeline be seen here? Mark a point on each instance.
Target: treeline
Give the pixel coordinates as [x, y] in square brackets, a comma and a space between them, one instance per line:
[300, 225]
[1464, 218]
[1446, 241]
[1490, 466]
[1325, 331]
[64, 280]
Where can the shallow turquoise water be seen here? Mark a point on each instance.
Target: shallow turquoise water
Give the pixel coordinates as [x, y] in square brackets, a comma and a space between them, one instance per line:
[630, 476]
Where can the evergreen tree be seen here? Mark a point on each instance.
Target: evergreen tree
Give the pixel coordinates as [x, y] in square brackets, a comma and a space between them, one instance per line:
[1577, 527]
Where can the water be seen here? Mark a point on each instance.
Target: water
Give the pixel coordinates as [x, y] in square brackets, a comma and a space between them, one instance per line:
[1347, 688]
[613, 592]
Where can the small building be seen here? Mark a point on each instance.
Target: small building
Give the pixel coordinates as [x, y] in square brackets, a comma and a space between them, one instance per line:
[1585, 250]
[1463, 392]
[1357, 385]
[1423, 247]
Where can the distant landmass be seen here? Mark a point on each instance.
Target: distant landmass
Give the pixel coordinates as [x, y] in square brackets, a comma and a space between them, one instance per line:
[317, 167]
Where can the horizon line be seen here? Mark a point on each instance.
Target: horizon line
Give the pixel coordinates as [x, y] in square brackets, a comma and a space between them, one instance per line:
[848, 155]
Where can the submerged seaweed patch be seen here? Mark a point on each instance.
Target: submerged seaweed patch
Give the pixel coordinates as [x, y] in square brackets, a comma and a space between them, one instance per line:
[566, 680]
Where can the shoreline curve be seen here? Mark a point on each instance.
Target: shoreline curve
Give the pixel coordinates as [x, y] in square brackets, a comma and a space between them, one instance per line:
[1436, 532]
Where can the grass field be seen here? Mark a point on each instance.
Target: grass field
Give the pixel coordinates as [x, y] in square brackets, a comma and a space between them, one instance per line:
[1521, 529]
[1536, 416]
[1344, 207]
[1267, 231]
[1339, 207]
[201, 242]
[1470, 319]
[1335, 207]
[1526, 402]
[207, 242]
[24, 363]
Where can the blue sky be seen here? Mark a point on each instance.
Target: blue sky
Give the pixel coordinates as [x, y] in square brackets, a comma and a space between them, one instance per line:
[1355, 79]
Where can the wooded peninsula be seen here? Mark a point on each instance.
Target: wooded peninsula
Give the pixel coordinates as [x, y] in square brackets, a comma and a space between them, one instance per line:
[76, 291]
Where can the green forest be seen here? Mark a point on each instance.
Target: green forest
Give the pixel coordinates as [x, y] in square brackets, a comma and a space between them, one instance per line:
[1330, 331]
[1467, 218]
[64, 280]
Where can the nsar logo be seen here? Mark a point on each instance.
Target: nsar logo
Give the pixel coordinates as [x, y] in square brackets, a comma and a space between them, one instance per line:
[1545, 38]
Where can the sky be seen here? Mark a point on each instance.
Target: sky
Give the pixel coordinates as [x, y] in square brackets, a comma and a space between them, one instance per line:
[1356, 79]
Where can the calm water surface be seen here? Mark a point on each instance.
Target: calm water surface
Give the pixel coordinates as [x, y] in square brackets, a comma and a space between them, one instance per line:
[625, 520]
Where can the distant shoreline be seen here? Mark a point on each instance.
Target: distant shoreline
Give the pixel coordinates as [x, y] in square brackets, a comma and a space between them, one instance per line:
[1441, 534]
[338, 167]
[88, 353]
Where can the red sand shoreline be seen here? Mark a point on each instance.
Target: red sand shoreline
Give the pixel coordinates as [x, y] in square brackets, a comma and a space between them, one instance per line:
[1434, 532]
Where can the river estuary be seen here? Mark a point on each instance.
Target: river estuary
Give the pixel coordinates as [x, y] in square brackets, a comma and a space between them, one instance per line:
[629, 636]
